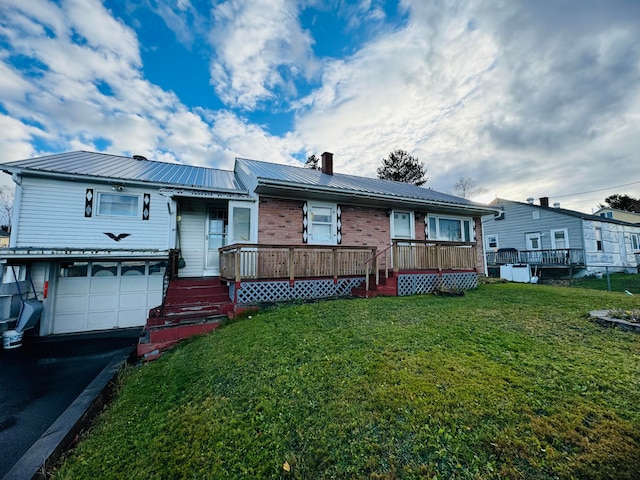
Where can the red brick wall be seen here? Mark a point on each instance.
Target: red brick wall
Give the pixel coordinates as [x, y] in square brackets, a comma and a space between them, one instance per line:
[280, 221]
[365, 226]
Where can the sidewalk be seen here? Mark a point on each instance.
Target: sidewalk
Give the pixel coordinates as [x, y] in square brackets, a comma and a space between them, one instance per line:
[47, 387]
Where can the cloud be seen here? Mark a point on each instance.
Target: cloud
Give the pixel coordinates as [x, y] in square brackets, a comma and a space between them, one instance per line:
[260, 50]
[85, 89]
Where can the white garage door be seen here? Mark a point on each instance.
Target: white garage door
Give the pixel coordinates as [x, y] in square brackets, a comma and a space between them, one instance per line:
[105, 295]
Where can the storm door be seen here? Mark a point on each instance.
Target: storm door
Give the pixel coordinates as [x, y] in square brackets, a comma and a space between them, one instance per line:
[216, 237]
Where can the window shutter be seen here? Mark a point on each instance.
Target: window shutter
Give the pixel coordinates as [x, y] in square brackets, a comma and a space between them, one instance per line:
[305, 222]
[339, 224]
[146, 205]
[88, 203]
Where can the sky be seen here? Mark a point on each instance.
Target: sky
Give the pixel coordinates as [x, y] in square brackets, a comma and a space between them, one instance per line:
[527, 98]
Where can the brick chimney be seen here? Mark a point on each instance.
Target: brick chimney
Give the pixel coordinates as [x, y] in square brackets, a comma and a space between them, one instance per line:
[327, 163]
[544, 201]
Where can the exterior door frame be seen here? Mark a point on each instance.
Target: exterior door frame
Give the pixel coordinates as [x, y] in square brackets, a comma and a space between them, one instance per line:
[213, 269]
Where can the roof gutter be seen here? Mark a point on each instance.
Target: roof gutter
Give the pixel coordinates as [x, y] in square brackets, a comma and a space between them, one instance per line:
[267, 183]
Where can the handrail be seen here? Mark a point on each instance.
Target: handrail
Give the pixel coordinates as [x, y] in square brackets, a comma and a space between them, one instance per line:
[386, 264]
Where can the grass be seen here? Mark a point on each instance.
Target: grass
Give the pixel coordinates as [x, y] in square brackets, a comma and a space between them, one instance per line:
[619, 283]
[509, 381]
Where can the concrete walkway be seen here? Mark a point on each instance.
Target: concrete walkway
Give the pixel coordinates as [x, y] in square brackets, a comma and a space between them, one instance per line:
[47, 388]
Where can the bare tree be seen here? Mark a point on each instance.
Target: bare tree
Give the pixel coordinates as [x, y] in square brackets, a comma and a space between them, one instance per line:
[467, 187]
[402, 167]
[6, 205]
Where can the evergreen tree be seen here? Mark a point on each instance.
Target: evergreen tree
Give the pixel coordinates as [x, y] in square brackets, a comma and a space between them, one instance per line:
[402, 167]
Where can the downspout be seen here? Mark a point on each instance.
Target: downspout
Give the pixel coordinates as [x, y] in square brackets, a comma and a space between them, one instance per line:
[17, 203]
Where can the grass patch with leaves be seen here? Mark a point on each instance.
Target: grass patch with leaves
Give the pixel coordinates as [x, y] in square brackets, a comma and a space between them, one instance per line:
[509, 381]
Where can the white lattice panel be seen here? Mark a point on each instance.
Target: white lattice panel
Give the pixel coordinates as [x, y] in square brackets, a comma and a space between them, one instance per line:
[428, 282]
[416, 284]
[281, 291]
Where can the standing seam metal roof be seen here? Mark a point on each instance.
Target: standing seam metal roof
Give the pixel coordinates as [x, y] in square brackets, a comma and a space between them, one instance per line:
[117, 167]
[315, 178]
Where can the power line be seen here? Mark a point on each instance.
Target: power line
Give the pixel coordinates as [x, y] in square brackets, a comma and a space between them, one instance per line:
[593, 191]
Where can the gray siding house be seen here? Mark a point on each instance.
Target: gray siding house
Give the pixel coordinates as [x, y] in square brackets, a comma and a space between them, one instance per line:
[554, 238]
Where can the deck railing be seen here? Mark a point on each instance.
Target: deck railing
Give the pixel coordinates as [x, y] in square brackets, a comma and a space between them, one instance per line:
[433, 255]
[562, 257]
[249, 261]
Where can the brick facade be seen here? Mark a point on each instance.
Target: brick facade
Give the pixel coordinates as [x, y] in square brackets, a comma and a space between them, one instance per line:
[280, 223]
[365, 226]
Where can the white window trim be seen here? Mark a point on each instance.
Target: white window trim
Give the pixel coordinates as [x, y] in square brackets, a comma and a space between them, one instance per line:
[436, 236]
[553, 237]
[253, 225]
[334, 223]
[637, 237]
[137, 216]
[412, 221]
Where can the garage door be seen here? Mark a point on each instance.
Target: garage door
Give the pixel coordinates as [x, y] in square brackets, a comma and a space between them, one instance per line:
[105, 295]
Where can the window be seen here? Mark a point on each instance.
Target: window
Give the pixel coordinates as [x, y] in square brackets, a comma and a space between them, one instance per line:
[559, 239]
[118, 205]
[635, 241]
[322, 223]
[133, 268]
[77, 269]
[450, 229]
[599, 239]
[492, 242]
[241, 224]
[402, 226]
[607, 214]
[104, 269]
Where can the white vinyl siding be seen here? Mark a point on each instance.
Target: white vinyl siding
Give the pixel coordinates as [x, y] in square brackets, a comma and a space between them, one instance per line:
[52, 215]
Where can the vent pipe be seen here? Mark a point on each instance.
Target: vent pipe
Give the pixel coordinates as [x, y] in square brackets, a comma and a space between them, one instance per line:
[139, 157]
[530, 200]
[556, 205]
[327, 163]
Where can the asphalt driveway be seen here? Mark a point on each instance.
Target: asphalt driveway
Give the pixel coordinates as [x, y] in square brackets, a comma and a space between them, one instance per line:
[40, 380]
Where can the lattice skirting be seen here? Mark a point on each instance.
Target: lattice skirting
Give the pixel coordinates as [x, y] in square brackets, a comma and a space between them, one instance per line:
[281, 291]
[418, 283]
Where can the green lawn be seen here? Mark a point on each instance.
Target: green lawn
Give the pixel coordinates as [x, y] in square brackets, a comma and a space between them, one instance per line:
[619, 283]
[509, 381]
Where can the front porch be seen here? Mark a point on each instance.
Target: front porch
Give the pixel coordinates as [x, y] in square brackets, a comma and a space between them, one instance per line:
[271, 273]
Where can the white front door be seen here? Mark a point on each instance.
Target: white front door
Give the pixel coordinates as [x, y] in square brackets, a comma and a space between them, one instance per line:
[215, 238]
[559, 239]
[243, 220]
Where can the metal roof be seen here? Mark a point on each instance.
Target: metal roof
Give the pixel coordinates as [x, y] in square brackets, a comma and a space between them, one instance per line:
[102, 165]
[563, 211]
[306, 177]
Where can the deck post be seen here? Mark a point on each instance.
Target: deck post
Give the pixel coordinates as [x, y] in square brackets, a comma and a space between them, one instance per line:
[237, 261]
[291, 266]
[394, 254]
[376, 266]
[439, 257]
[335, 265]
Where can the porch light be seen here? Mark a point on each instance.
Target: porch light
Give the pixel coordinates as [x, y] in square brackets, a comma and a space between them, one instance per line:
[388, 212]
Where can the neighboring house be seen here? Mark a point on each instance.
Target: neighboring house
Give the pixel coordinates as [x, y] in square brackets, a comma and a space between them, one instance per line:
[560, 240]
[622, 215]
[107, 239]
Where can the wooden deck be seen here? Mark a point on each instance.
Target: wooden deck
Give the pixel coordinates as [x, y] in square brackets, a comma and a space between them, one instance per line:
[551, 258]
